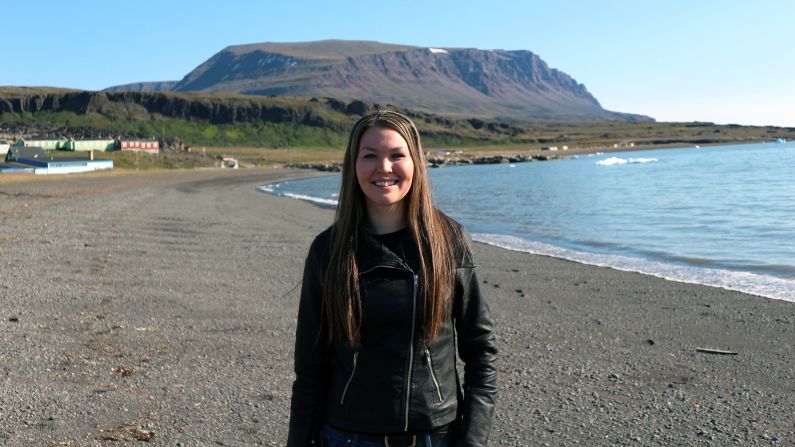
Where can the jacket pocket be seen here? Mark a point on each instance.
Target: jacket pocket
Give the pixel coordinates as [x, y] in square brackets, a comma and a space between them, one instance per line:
[350, 379]
[433, 375]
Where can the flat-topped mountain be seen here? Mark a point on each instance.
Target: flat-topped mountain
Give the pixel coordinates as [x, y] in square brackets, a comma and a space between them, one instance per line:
[516, 85]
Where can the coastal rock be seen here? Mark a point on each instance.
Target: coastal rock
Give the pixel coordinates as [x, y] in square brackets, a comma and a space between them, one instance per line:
[435, 162]
[323, 167]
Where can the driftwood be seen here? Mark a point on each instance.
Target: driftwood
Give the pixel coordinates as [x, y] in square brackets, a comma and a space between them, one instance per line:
[715, 351]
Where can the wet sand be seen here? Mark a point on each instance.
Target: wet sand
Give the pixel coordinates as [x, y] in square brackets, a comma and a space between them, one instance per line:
[159, 309]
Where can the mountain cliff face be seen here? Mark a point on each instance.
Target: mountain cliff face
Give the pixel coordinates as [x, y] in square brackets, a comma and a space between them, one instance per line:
[223, 119]
[214, 109]
[492, 83]
[162, 86]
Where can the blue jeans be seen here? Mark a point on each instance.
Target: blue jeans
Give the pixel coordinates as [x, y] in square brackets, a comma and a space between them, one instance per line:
[332, 438]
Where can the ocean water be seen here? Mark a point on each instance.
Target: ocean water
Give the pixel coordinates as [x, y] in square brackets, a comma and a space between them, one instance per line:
[722, 216]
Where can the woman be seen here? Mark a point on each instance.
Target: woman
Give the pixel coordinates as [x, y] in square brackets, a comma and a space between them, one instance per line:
[389, 290]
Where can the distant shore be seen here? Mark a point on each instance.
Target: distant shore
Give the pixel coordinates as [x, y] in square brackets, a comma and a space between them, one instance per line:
[455, 157]
[160, 308]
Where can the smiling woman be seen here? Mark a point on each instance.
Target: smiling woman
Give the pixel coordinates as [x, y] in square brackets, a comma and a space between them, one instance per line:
[384, 169]
[389, 292]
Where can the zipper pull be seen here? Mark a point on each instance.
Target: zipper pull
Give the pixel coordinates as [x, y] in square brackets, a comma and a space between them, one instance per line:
[355, 357]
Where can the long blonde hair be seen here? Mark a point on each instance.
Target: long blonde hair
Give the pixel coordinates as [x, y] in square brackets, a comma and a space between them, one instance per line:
[430, 231]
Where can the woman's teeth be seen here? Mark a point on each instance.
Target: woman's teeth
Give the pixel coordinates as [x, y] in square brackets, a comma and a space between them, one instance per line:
[387, 183]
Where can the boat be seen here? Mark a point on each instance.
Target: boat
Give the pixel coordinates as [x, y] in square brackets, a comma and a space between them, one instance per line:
[780, 140]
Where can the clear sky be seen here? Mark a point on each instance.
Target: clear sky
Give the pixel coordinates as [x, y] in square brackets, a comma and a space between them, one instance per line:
[699, 60]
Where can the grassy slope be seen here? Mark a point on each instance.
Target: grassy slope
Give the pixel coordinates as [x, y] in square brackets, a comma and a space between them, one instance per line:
[261, 142]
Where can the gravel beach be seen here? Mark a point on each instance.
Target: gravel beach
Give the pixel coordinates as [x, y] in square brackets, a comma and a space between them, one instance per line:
[159, 309]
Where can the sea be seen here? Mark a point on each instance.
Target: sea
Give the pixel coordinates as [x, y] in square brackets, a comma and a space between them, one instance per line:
[721, 216]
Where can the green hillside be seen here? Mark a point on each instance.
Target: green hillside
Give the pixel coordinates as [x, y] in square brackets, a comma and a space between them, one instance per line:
[280, 129]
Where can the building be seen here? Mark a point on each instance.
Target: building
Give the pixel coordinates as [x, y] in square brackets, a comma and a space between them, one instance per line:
[93, 145]
[226, 161]
[46, 144]
[67, 144]
[151, 146]
[43, 163]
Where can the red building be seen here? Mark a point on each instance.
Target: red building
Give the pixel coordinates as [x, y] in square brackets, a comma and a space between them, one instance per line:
[138, 145]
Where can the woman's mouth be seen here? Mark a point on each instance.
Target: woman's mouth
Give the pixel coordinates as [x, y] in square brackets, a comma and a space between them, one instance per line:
[385, 183]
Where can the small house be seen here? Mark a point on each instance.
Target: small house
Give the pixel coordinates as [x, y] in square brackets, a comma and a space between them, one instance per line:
[151, 146]
[93, 145]
[226, 161]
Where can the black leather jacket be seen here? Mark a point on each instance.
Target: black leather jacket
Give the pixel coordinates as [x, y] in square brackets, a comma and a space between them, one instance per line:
[395, 381]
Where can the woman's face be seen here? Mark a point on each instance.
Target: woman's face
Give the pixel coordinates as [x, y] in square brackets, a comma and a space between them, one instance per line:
[384, 167]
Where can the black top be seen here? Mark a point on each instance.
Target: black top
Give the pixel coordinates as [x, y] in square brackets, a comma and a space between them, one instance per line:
[400, 243]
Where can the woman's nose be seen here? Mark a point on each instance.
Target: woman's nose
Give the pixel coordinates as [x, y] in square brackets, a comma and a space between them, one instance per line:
[384, 165]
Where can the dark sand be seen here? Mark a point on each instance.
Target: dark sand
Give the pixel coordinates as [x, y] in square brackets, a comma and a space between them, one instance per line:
[159, 309]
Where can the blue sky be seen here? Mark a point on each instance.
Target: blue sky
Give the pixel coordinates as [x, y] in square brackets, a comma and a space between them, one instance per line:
[720, 61]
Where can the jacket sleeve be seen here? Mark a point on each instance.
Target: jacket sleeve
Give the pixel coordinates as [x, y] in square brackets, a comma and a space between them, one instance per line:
[477, 349]
[311, 357]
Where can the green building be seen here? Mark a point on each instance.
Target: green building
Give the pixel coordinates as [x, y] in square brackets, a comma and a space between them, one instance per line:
[67, 144]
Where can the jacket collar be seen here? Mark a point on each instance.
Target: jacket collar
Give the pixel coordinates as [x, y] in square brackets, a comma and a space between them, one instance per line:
[371, 253]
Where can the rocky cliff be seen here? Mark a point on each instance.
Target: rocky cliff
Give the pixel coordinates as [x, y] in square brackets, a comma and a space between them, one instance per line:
[162, 86]
[121, 108]
[517, 85]
[215, 109]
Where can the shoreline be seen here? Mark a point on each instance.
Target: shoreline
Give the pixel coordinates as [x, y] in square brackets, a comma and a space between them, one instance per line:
[128, 298]
[671, 277]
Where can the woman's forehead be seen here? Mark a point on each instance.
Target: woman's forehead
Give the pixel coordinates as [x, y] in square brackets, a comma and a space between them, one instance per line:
[379, 138]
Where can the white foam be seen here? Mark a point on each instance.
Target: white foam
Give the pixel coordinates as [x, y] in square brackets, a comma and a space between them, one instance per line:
[271, 189]
[437, 50]
[622, 161]
[317, 200]
[611, 161]
[763, 285]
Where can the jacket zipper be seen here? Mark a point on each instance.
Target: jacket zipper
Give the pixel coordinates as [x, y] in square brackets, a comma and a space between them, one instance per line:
[345, 390]
[433, 375]
[411, 350]
[384, 266]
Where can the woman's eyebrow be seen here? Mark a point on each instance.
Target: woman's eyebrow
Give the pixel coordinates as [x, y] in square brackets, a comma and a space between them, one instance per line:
[396, 148]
